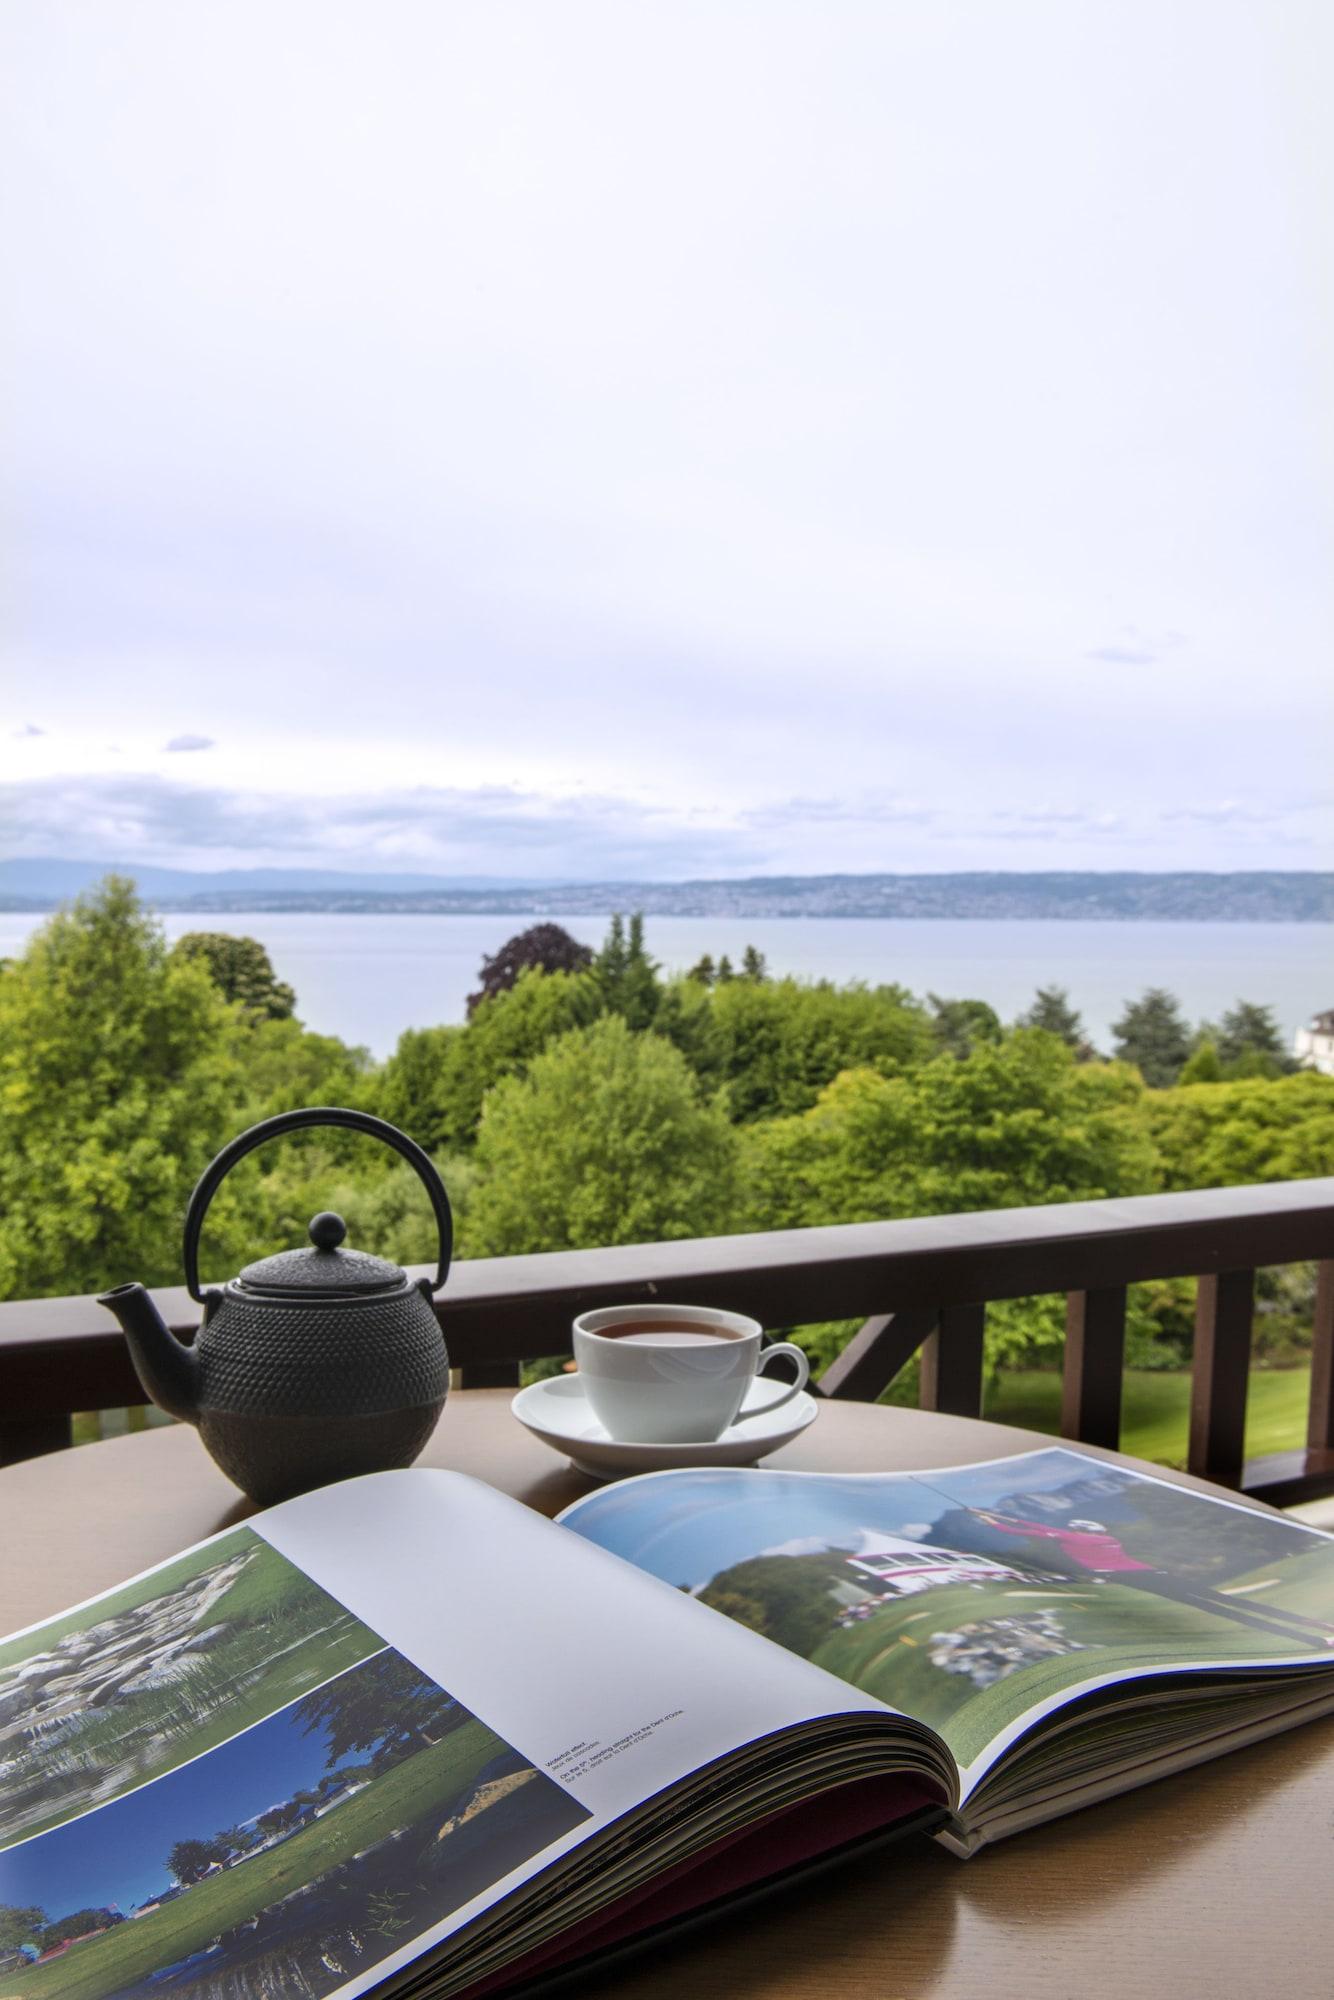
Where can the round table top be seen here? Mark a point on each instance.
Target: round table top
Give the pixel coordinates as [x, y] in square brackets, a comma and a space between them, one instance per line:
[1212, 1884]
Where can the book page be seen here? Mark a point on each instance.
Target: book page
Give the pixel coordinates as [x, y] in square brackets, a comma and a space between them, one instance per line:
[286, 1762]
[981, 1598]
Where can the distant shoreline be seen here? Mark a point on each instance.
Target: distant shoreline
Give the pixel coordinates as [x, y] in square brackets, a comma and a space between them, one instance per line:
[1076, 896]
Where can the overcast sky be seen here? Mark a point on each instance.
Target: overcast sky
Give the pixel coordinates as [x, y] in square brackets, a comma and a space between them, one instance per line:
[665, 438]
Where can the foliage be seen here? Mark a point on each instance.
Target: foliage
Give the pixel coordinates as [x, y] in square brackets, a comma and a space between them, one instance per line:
[190, 1860]
[541, 948]
[387, 1707]
[435, 1082]
[1015, 1124]
[1231, 1133]
[1250, 1042]
[607, 1139]
[117, 1074]
[1052, 1012]
[626, 976]
[784, 1597]
[962, 1025]
[771, 1046]
[242, 971]
[1152, 1035]
[19, 1924]
[77, 1924]
[1202, 1065]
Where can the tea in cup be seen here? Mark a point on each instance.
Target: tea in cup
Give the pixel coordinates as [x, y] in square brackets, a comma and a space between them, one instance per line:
[676, 1374]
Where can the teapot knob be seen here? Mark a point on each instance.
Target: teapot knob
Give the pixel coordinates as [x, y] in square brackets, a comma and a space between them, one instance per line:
[327, 1230]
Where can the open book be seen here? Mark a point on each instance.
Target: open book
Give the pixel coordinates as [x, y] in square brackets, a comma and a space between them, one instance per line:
[405, 1734]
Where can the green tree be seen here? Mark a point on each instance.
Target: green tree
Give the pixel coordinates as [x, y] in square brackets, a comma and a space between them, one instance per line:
[413, 1089]
[387, 1707]
[434, 1083]
[287, 1067]
[1231, 1133]
[1250, 1042]
[726, 971]
[962, 1025]
[1051, 1011]
[20, 1923]
[626, 975]
[1152, 1035]
[611, 961]
[772, 1047]
[118, 1074]
[77, 1924]
[190, 1860]
[606, 1140]
[541, 948]
[241, 970]
[787, 1598]
[703, 971]
[753, 965]
[1202, 1065]
[1015, 1125]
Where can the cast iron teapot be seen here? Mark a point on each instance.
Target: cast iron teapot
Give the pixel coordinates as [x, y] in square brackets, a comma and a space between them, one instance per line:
[313, 1365]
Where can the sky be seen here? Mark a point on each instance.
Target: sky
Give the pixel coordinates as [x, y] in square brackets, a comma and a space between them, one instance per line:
[724, 437]
[686, 1527]
[117, 1854]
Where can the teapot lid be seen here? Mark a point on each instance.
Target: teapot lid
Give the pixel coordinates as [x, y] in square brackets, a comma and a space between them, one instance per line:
[326, 1269]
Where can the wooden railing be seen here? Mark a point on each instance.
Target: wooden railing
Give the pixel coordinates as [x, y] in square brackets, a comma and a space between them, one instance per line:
[921, 1285]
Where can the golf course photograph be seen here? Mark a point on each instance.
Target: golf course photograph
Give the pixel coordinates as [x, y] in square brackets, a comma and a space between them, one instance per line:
[972, 1596]
[139, 1681]
[285, 1861]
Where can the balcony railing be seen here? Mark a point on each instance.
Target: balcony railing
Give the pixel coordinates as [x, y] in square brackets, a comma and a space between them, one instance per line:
[921, 1285]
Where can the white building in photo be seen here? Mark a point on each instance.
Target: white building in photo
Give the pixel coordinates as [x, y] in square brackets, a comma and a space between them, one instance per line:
[1313, 1046]
[904, 1567]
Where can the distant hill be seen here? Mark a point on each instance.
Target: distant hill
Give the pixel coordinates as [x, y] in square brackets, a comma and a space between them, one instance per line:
[42, 882]
[1243, 897]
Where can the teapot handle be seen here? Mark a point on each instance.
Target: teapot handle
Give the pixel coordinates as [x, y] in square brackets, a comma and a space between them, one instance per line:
[292, 1121]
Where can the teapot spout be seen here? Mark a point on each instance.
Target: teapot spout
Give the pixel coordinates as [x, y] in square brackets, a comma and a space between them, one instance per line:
[168, 1369]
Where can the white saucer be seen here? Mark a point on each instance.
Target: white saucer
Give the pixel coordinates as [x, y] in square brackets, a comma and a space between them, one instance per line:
[557, 1412]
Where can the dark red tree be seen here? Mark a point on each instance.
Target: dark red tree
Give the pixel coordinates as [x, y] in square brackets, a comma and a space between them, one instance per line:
[548, 947]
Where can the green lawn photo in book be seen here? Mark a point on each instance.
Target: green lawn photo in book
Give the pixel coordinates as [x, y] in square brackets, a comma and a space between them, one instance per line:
[403, 1734]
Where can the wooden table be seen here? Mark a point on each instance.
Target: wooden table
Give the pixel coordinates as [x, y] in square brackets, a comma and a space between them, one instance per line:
[1218, 1885]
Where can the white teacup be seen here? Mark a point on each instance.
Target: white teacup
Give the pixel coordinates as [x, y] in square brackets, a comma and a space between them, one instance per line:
[675, 1374]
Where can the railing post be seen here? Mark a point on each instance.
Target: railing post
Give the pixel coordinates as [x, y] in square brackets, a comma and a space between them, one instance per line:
[952, 1362]
[1219, 1376]
[875, 1354]
[1095, 1345]
[1320, 1422]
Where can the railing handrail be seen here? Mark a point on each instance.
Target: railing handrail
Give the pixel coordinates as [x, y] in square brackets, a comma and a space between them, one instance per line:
[920, 1285]
[517, 1308]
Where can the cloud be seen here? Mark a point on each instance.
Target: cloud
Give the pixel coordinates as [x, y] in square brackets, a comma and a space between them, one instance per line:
[1229, 812]
[494, 829]
[1123, 656]
[858, 808]
[28, 729]
[189, 743]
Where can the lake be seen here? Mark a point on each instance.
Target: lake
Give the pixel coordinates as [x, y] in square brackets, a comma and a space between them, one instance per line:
[366, 978]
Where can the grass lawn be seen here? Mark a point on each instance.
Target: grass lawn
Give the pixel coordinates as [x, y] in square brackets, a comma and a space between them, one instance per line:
[433, 1780]
[1155, 1410]
[887, 1655]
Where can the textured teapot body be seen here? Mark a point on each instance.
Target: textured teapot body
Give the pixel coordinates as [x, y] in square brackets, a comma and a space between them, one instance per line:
[312, 1365]
[315, 1390]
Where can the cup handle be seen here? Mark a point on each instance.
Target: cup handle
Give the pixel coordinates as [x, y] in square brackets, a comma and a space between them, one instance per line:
[789, 1390]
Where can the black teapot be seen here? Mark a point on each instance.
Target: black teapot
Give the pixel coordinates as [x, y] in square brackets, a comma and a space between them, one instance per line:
[313, 1365]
